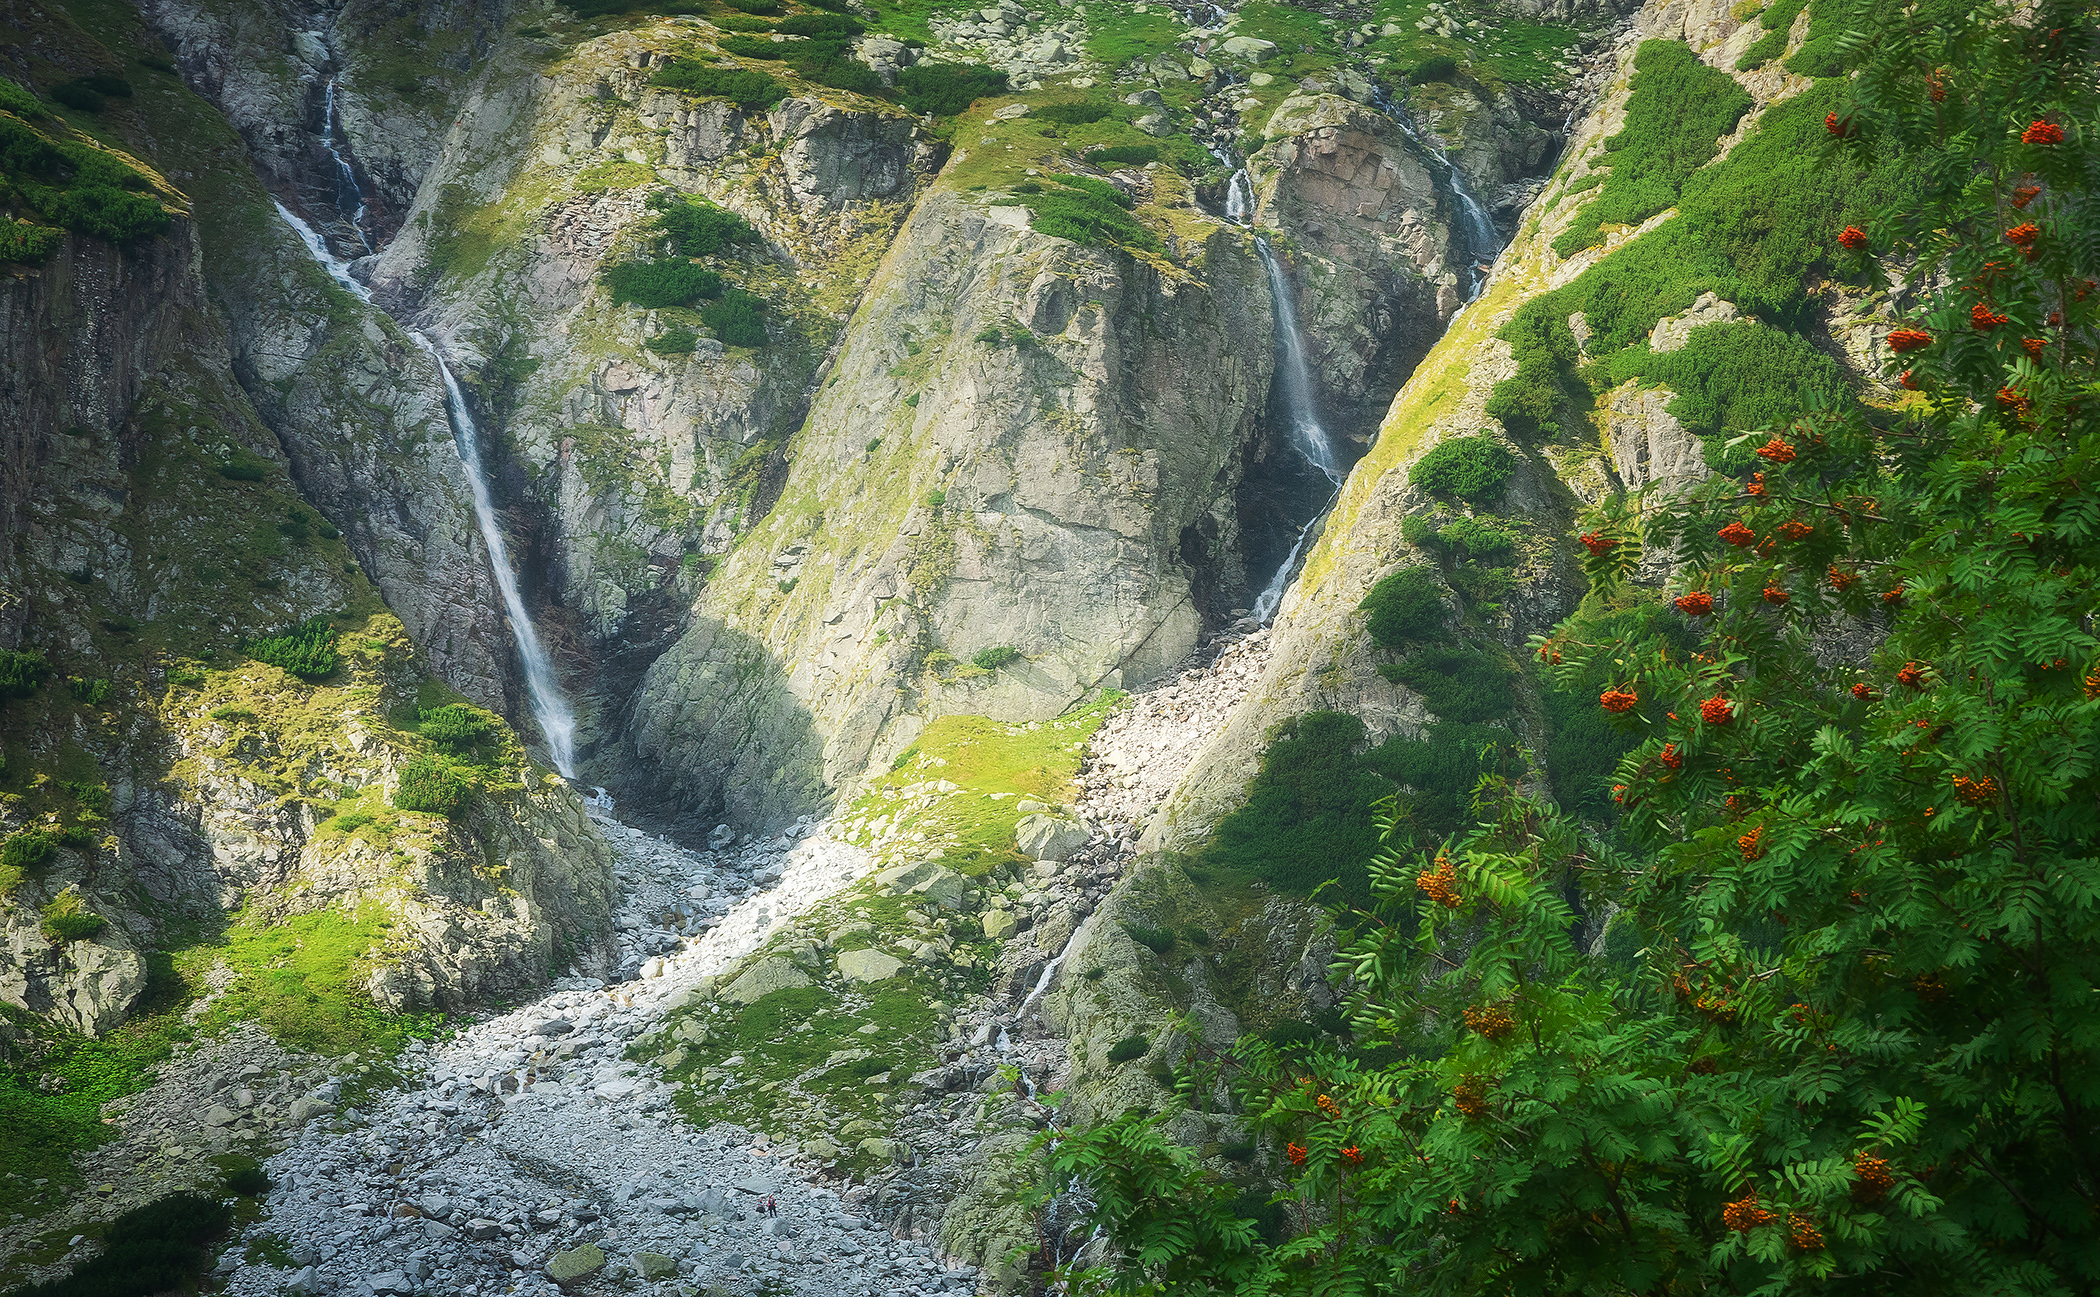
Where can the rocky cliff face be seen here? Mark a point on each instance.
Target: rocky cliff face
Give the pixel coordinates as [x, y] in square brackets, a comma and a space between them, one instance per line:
[159, 784]
[1325, 659]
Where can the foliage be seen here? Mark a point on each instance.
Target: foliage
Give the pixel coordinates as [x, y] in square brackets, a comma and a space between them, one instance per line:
[1758, 229]
[1307, 818]
[28, 849]
[1128, 1048]
[738, 319]
[751, 90]
[433, 786]
[307, 650]
[248, 1181]
[657, 284]
[1462, 685]
[22, 672]
[834, 26]
[1470, 468]
[1738, 375]
[1157, 940]
[68, 919]
[754, 6]
[1404, 607]
[1843, 1038]
[1123, 155]
[678, 341]
[991, 659]
[1083, 113]
[14, 99]
[1480, 539]
[457, 727]
[1777, 20]
[27, 244]
[161, 1247]
[243, 465]
[82, 188]
[1675, 117]
[78, 97]
[696, 227]
[1440, 770]
[1437, 67]
[946, 89]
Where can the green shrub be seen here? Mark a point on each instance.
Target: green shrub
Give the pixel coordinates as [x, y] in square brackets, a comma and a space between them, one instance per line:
[1405, 607]
[698, 228]
[1241, 1153]
[307, 650]
[657, 284]
[89, 794]
[104, 84]
[1123, 155]
[231, 712]
[739, 319]
[744, 24]
[433, 786]
[1480, 539]
[1079, 114]
[830, 64]
[1307, 818]
[28, 245]
[103, 212]
[162, 1247]
[945, 89]
[751, 90]
[1757, 229]
[22, 672]
[456, 726]
[1460, 685]
[834, 26]
[1582, 750]
[1437, 67]
[1441, 769]
[28, 849]
[68, 919]
[78, 97]
[674, 342]
[1470, 468]
[1675, 117]
[754, 47]
[244, 466]
[1088, 210]
[1157, 940]
[1777, 20]
[991, 659]
[1729, 377]
[754, 6]
[161, 63]
[248, 1180]
[14, 99]
[1128, 1048]
[1195, 934]
[936, 498]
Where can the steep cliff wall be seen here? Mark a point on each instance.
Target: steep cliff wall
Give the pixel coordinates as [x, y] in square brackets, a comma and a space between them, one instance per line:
[1589, 401]
[163, 786]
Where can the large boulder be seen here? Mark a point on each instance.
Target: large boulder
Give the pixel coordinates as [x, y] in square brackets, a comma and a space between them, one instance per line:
[576, 1264]
[763, 979]
[1050, 837]
[944, 887]
[868, 965]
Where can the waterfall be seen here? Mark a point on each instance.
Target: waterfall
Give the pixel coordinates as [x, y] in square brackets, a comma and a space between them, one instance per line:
[346, 186]
[1307, 434]
[550, 708]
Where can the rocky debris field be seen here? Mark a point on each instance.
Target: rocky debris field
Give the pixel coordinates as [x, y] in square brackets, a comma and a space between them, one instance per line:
[1141, 752]
[530, 1153]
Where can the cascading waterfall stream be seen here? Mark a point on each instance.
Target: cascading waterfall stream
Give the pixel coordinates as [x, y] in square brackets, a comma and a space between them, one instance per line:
[550, 707]
[346, 186]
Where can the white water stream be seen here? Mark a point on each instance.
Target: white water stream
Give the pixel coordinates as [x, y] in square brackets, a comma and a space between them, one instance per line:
[550, 707]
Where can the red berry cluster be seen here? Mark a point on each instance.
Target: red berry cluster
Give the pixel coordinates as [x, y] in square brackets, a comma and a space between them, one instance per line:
[1618, 700]
[1902, 340]
[1441, 883]
[1875, 1178]
[1696, 604]
[1671, 757]
[1777, 451]
[1716, 711]
[2042, 133]
[1976, 792]
[1752, 844]
[1471, 1096]
[1744, 1215]
[1852, 238]
[1597, 544]
[1804, 1234]
[1492, 1021]
[1738, 535]
[1773, 594]
[1983, 317]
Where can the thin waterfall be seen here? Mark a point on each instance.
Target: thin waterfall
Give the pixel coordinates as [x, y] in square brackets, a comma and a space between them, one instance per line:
[1294, 377]
[349, 195]
[550, 707]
